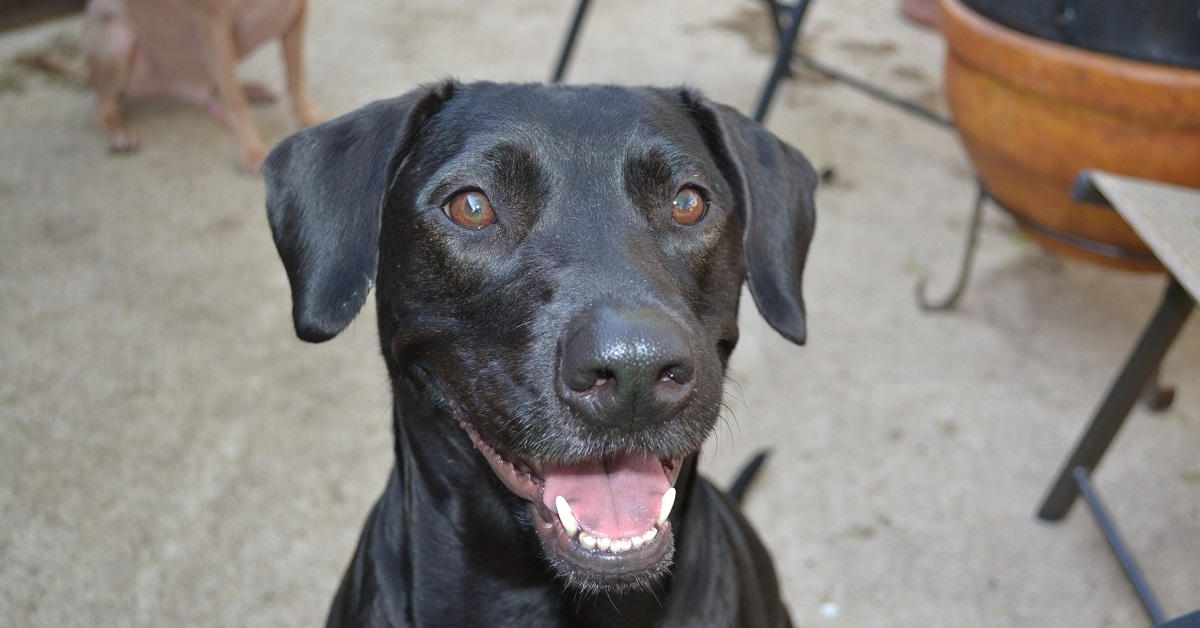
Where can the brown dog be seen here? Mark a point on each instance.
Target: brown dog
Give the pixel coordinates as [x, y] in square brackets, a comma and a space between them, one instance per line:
[189, 50]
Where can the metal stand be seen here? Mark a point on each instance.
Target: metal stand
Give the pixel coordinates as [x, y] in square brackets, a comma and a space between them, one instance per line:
[964, 268]
[1157, 397]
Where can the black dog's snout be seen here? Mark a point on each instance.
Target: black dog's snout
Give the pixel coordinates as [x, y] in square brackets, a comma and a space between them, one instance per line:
[626, 367]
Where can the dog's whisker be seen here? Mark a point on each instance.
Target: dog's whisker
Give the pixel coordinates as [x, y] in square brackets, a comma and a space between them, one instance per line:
[654, 593]
[445, 432]
[611, 601]
[741, 394]
[385, 417]
[729, 417]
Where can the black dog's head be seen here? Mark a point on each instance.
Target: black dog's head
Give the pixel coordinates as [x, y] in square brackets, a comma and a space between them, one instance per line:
[558, 269]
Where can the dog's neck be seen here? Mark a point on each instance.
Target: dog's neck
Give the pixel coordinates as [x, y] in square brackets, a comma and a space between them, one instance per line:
[456, 512]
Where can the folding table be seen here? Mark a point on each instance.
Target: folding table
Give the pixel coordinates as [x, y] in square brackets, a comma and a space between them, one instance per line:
[1167, 218]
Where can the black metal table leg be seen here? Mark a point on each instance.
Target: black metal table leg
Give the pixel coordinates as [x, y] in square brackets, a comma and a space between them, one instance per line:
[1117, 543]
[787, 39]
[1176, 305]
[569, 44]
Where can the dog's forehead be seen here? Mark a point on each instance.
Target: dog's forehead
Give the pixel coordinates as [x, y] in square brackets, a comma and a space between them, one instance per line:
[573, 122]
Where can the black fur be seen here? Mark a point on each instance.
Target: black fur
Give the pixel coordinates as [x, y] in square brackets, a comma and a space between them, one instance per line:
[474, 326]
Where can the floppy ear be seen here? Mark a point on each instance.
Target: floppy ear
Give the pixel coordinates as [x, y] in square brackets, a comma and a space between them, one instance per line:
[325, 191]
[774, 184]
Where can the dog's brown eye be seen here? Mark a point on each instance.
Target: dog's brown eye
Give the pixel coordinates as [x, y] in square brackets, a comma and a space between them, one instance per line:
[472, 210]
[689, 207]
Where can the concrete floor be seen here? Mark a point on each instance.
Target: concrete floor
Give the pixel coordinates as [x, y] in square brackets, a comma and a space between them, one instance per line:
[171, 455]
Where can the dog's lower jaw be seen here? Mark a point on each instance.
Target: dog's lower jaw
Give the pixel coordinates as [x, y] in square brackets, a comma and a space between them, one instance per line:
[585, 558]
[596, 570]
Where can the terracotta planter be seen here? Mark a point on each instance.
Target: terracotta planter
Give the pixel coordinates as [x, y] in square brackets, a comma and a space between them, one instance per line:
[1033, 113]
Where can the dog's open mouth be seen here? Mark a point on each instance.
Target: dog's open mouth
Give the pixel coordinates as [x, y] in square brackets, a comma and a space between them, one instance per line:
[605, 517]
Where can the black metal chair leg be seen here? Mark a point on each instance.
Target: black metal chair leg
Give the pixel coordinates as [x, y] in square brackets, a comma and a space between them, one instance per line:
[569, 44]
[1176, 305]
[964, 267]
[783, 56]
[775, 8]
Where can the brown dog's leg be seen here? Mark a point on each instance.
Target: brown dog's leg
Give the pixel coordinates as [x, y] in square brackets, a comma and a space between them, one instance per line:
[214, 27]
[109, 45]
[259, 93]
[307, 112]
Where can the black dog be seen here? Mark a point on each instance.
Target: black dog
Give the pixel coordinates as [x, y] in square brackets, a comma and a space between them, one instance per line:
[557, 274]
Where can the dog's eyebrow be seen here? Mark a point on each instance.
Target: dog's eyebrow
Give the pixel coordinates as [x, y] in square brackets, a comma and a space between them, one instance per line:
[511, 161]
[518, 172]
[651, 176]
[505, 168]
[648, 177]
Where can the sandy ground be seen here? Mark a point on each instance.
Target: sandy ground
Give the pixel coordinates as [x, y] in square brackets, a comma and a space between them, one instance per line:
[171, 455]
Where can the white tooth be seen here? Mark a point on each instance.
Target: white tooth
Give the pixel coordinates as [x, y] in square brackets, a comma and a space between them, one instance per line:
[587, 540]
[637, 541]
[667, 502]
[626, 545]
[569, 522]
[650, 534]
[615, 547]
[604, 543]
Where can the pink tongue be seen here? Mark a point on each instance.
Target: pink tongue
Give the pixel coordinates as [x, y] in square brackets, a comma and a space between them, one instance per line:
[617, 497]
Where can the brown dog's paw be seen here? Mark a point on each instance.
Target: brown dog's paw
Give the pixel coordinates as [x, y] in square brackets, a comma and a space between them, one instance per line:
[122, 141]
[310, 114]
[259, 93]
[250, 158]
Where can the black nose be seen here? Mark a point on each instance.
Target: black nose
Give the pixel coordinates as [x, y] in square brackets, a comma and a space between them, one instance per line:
[626, 367]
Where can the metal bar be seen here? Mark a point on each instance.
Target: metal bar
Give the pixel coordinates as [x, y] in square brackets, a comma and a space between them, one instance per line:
[775, 7]
[1102, 249]
[786, 41]
[964, 267]
[569, 44]
[1117, 543]
[875, 92]
[1176, 305]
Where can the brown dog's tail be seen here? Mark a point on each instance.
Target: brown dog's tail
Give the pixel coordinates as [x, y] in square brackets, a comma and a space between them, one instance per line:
[741, 484]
